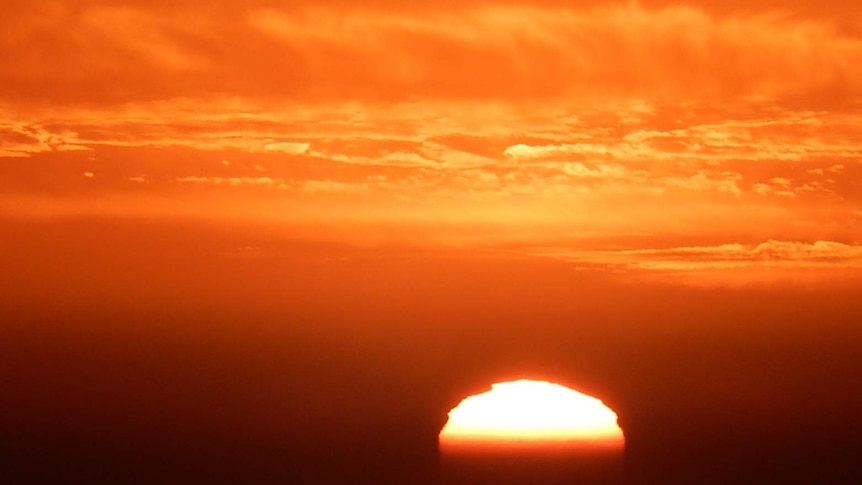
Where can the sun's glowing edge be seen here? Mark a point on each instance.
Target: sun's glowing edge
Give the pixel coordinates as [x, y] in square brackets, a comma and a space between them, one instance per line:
[528, 412]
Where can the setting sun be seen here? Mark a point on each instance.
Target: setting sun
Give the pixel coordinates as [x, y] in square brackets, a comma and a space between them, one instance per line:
[527, 411]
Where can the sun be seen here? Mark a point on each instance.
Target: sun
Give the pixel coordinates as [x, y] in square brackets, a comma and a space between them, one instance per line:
[532, 412]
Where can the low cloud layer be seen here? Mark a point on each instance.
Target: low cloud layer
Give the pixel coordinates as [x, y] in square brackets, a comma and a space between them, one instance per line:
[732, 263]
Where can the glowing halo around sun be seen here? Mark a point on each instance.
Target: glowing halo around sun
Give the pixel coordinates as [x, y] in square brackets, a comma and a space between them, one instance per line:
[526, 412]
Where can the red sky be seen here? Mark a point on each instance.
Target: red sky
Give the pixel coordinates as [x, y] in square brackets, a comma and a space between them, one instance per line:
[222, 220]
[652, 134]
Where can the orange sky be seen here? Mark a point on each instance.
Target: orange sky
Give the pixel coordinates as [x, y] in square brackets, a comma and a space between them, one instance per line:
[711, 137]
[281, 238]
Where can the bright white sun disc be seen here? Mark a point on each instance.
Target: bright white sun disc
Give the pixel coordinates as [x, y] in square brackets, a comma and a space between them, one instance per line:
[532, 411]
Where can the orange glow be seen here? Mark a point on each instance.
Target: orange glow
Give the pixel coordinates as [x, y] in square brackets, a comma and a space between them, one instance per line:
[601, 133]
[285, 236]
[528, 411]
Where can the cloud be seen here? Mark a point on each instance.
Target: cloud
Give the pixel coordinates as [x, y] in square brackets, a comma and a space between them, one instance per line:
[784, 257]
[463, 50]
[403, 159]
[589, 117]
[139, 34]
[22, 139]
[422, 159]
[673, 49]
[785, 137]
[768, 252]
[579, 170]
[235, 181]
[295, 186]
[330, 186]
[724, 183]
[291, 148]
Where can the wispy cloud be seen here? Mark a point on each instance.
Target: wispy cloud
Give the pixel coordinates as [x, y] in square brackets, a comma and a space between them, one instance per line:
[468, 50]
[20, 140]
[291, 148]
[736, 263]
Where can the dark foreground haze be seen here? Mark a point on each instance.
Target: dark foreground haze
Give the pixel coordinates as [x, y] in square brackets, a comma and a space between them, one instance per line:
[158, 353]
